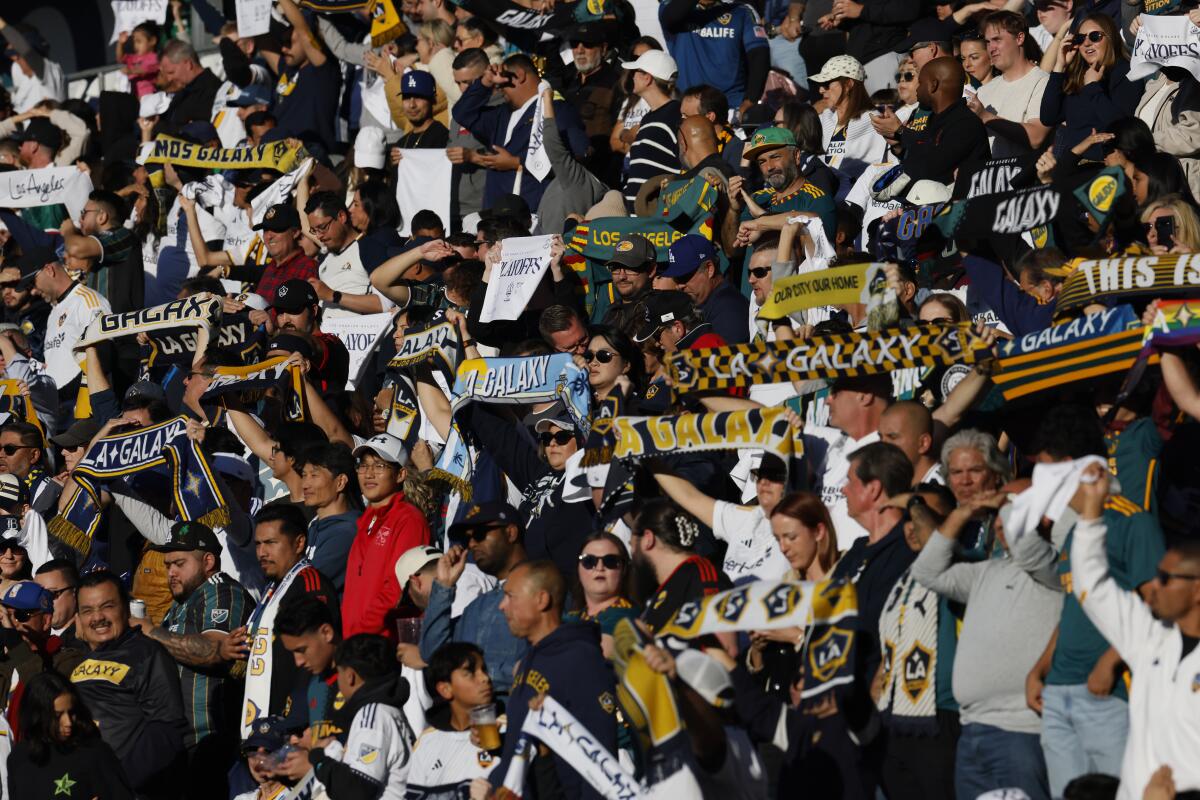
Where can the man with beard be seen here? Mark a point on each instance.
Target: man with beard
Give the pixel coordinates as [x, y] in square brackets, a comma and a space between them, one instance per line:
[417, 93]
[493, 534]
[297, 311]
[131, 686]
[666, 570]
[24, 309]
[195, 630]
[633, 264]
[280, 540]
[775, 152]
[591, 83]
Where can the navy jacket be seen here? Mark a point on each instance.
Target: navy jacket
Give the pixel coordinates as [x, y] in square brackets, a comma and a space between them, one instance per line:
[1095, 105]
[568, 666]
[489, 124]
[991, 286]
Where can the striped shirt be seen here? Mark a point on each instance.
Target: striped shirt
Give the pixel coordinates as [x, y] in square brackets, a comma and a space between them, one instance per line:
[219, 604]
[655, 150]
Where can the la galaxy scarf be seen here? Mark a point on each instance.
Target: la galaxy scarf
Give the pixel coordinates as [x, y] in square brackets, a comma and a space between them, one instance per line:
[1100, 344]
[828, 651]
[193, 486]
[758, 429]
[278, 156]
[831, 356]
[17, 405]
[256, 700]
[755, 606]
[1096, 280]
[533, 379]
[836, 286]
[250, 381]
[908, 631]
[404, 412]
[436, 344]
[201, 311]
[570, 740]
[235, 334]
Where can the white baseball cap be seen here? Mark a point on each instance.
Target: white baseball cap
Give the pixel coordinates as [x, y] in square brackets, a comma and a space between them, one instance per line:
[386, 446]
[708, 678]
[413, 561]
[368, 148]
[656, 63]
[840, 67]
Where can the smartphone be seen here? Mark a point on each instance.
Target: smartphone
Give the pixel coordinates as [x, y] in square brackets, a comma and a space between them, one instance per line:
[1164, 230]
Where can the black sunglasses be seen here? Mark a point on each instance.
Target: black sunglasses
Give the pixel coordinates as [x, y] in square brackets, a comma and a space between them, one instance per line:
[759, 273]
[1093, 37]
[558, 437]
[603, 356]
[10, 284]
[609, 561]
[11, 449]
[57, 593]
[477, 535]
[24, 614]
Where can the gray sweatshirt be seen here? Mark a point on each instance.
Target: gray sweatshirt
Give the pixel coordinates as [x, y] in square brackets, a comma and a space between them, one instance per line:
[1012, 609]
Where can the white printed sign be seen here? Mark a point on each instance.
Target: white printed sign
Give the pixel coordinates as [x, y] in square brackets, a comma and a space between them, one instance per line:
[360, 333]
[523, 262]
[128, 14]
[253, 17]
[1165, 42]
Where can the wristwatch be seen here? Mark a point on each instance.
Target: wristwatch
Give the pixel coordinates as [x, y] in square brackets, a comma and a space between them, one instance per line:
[337, 298]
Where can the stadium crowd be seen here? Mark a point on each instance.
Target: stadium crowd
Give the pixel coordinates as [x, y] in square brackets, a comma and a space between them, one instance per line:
[532, 398]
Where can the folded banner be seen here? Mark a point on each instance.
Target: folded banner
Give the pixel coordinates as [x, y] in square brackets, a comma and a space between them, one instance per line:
[1165, 41]
[1099, 344]
[687, 201]
[438, 343]
[279, 156]
[193, 486]
[523, 262]
[567, 738]
[201, 311]
[29, 188]
[535, 379]
[1095, 280]
[831, 356]
[758, 428]
[361, 334]
[837, 286]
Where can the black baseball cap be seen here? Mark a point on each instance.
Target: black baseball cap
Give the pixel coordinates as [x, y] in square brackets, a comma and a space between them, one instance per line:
[30, 263]
[771, 468]
[280, 218]
[80, 433]
[926, 29]
[485, 515]
[657, 309]
[190, 535]
[636, 252]
[42, 131]
[294, 296]
[588, 33]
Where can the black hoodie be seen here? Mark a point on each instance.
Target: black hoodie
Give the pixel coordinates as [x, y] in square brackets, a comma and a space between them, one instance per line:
[338, 776]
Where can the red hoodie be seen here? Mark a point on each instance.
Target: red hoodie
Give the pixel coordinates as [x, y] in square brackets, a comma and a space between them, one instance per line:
[384, 534]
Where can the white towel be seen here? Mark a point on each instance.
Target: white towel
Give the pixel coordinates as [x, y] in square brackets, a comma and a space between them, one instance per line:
[537, 162]
[1053, 487]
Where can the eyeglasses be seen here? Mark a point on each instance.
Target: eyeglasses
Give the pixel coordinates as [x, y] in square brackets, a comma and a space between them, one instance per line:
[758, 273]
[610, 561]
[57, 593]
[919, 46]
[1093, 37]
[603, 356]
[319, 230]
[1165, 577]
[558, 437]
[368, 467]
[24, 614]
[905, 77]
[275, 449]
[11, 449]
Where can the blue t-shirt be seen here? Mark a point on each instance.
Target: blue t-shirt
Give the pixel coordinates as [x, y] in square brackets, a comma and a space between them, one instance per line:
[710, 50]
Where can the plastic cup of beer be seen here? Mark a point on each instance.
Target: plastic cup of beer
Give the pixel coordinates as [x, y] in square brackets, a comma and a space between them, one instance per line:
[483, 720]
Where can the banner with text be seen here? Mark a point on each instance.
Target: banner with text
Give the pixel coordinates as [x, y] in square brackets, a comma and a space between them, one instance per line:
[361, 334]
[523, 262]
[1165, 42]
[1094, 280]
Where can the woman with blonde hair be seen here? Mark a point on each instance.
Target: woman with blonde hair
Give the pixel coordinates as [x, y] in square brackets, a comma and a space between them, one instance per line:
[850, 140]
[435, 54]
[1171, 226]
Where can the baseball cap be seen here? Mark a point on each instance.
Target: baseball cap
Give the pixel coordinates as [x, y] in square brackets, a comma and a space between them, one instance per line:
[768, 139]
[145, 390]
[291, 343]
[507, 205]
[388, 447]
[199, 131]
[42, 131]
[252, 95]
[928, 192]
[927, 29]
[269, 733]
[588, 33]
[80, 433]
[555, 414]
[636, 252]
[687, 254]
[30, 263]
[771, 468]
[189, 535]
[12, 491]
[28, 596]
[840, 67]
[153, 104]
[413, 561]
[658, 308]
[483, 515]
[369, 148]
[279, 218]
[417, 83]
[757, 116]
[295, 295]
[708, 678]
[654, 62]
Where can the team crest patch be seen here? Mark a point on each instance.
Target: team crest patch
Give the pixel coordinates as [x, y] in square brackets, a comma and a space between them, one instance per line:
[484, 758]
[368, 753]
[724, 19]
[829, 653]
[607, 702]
[1196, 683]
[625, 246]
[219, 615]
[916, 671]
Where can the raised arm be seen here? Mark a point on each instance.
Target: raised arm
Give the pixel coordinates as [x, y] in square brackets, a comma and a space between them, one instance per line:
[312, 48]
[693, 501]
[252, 433]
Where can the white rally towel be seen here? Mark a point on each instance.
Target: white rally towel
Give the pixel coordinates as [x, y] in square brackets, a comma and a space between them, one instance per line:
[29, 188]
[423, 182]
[256, 701]
[128, 14]
[277, 192]
[374, 99]
[1052, 489]
[361, 334]
[1165, 42]
[253, 17]
[537, 162]
[523, 262]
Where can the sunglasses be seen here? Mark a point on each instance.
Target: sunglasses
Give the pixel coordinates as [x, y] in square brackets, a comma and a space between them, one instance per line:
[905, 76]
[603, 356]
[558, 437]
[24, 614]
[57, 593]
[11, 449]
[758, 273]
[1093, 37]
[610, 561]
[477, 535]
[10, 285]
[1165, 577]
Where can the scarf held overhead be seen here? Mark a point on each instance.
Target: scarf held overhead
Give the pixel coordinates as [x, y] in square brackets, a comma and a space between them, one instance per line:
[438, 343]
[837, 286]
[201, 311]
[1094, 280]
[831, 356]
[534, 379]
[759, 429]
[279, 156]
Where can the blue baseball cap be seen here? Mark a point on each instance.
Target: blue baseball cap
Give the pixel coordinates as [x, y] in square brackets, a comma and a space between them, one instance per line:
[28, 596]
[269, 733]
[417, 84]
[687, 255]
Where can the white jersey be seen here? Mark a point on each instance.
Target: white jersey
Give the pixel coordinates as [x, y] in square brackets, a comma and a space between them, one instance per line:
[378, 748]
[69, 317]
[753, 552]
[443, 763]
[344, 272]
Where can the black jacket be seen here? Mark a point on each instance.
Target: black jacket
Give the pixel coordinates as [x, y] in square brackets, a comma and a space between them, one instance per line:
[81, 771]
[131, 686]
[193, 102]
[954, 139]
